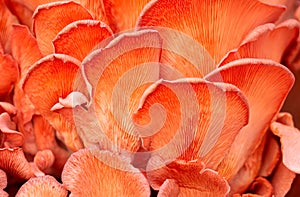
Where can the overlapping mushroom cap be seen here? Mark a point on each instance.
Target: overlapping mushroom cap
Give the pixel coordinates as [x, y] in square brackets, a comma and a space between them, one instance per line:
[189, 87]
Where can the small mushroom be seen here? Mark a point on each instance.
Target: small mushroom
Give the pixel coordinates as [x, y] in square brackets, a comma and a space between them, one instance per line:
[14, 163]
[44, 159]
[9, 137]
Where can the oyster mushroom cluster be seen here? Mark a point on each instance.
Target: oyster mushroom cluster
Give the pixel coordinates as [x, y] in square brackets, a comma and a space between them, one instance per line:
[149, 98]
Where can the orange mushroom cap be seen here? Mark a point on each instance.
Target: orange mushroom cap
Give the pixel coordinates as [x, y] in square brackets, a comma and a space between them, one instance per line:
[42, 186]
[102, 173]
[218, 25]
[48, 21]
[265, 84]
[192, 177]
